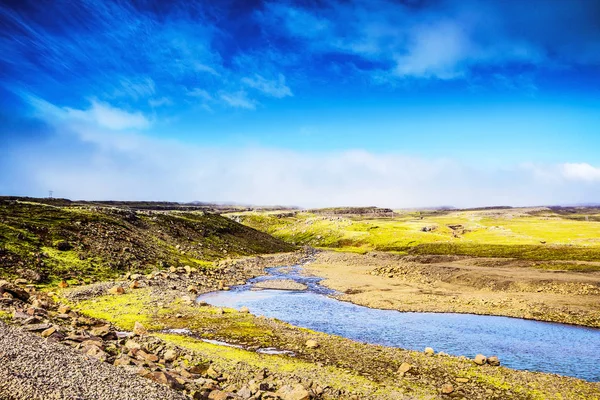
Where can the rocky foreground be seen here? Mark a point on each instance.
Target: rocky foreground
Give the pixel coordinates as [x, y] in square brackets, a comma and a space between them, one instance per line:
[146, 331]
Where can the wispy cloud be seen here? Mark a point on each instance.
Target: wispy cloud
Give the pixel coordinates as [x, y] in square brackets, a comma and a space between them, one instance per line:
[274, 88]
[238, 99]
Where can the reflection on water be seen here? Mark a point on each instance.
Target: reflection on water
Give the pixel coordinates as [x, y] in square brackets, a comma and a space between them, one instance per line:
[520, 344]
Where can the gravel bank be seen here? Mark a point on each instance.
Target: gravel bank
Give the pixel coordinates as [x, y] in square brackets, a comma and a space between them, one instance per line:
[31, 368]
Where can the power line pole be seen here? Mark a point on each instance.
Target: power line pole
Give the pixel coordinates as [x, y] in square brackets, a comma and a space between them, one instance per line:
[50, 193]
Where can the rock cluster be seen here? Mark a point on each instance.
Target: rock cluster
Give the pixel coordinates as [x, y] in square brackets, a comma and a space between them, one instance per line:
[138, 352]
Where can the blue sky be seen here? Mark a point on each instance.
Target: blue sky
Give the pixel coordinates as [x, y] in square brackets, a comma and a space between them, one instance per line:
[311, 103]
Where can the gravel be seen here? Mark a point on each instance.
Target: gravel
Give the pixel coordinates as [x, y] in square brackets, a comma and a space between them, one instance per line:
[31, 368]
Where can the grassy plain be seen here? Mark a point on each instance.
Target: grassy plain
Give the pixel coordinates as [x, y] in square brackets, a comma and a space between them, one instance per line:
[533, 234]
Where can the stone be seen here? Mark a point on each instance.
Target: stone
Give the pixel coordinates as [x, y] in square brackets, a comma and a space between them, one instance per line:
[139, 329]
[63, 285]
[493, 360]
[123, 360]
[429, 351]
[219, 311]
[311, 344]
[192, 289]
[48, 332]
[64, 309]
[131, 345]
[295, 392]
[462, 380]
[220, 395]
[245, 310]
[447, 389]
[170, 355]
[244, 392]
[37, 327]
[97, 353]
[134, 285]
[213, 373]
[14, 290]
[480, 359]
[63, 245]
[165, 379]
[142, 355]
[116, 290]
[404, 368]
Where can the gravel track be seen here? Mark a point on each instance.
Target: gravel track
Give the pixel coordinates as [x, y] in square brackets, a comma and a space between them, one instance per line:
[31, 368]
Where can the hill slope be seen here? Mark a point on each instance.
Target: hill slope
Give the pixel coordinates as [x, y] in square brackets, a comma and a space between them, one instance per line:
[47, 242]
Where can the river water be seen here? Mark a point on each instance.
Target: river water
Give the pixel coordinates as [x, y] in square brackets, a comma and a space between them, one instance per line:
[520, 344]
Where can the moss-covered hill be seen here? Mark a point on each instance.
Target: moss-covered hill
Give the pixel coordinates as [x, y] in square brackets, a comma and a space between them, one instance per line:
[44, 242]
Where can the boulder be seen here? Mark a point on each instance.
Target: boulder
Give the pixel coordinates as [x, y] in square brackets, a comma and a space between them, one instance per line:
[493, 360]
[63, 285]
[48, 332]
[429, 351]
[404, 368]
[170, 355]
[295, 392]
[134, 285]
[165, 379]
[244, 392]
[139, 329]
[447, 389]
[15, 290]
[116, 290]
[245, 310]
[480, 359]
[312, 344]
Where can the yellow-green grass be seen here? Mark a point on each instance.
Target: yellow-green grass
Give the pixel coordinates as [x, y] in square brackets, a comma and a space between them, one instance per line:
[518, 235]
[122, 310]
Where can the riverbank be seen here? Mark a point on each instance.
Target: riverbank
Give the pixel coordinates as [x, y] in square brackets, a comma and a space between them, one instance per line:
[151, 327]
[484, 286]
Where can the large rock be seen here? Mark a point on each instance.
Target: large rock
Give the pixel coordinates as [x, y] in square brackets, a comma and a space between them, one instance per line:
[429, 351]
[165, 379]
[116, 290]
[14, 290]
[139, 329]
[295, 392]
[170, 355]
[493, 360]
[404, 368]
[312, 344]
[480, 359]
[447, 389]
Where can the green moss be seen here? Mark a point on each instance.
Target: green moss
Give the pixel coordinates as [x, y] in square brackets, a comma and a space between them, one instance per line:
[122, 310]
[5, 316]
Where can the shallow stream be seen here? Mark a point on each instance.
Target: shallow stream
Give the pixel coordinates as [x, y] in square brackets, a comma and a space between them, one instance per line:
[520, 344]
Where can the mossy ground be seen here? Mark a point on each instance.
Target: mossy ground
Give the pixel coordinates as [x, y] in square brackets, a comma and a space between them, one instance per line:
[366, 370]
[512, 233]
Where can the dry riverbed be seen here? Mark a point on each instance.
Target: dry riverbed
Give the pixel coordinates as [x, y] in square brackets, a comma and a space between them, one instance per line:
[465, 285]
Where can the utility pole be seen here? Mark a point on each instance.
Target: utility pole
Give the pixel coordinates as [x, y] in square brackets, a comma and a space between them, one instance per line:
[50, 192]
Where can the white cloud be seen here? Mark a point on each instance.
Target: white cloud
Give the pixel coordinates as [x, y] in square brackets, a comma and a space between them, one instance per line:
[104, 115]
[238, 100]
[580, 172]
[274, 88]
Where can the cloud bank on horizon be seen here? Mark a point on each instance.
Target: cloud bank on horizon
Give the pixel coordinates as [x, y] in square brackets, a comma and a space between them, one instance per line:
[392, 103]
